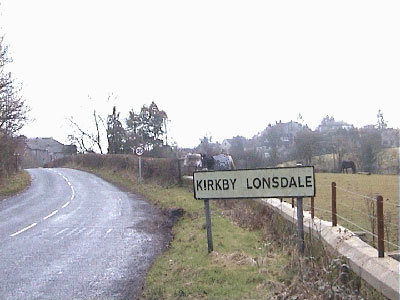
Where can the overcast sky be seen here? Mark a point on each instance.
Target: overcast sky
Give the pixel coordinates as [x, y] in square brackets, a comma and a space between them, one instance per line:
[221, 68]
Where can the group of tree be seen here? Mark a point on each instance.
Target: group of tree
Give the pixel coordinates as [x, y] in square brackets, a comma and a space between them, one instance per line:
[277, 144]
[359, 145]
[13, 114]
[146, 128]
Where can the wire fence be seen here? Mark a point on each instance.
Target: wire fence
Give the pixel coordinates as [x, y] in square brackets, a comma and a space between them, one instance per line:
[359, 213]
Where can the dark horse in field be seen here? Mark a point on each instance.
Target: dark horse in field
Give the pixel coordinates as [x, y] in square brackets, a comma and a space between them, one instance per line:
[348, 164]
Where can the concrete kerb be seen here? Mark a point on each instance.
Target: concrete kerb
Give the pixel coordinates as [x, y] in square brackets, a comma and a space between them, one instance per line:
[381, 273]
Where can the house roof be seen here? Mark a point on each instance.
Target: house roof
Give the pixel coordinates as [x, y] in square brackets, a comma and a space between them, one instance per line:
[48, 144]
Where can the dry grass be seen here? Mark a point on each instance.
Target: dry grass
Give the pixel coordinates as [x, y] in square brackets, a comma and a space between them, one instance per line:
[318, 274]
[14, 184]
[388, 161]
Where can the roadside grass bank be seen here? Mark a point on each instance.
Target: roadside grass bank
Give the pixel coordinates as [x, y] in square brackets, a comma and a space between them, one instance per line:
[255, 253]
[14, 184]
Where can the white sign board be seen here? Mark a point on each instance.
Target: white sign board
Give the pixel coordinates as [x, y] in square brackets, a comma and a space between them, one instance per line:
[257, 183]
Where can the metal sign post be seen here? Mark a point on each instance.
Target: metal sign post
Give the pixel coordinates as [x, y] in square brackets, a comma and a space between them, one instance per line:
[300, 228]
[140, 169]
[139, 152]
[208, 224]
[300, 222]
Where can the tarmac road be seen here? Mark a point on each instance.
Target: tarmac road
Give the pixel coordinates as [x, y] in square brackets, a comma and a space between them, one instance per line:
[72, 235]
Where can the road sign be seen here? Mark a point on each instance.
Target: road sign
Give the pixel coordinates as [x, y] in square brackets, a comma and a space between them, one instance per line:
[291, 182]
[257, 183]
[139, 151]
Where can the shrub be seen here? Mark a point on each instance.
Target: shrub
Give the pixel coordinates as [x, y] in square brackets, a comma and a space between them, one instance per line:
[161, 170]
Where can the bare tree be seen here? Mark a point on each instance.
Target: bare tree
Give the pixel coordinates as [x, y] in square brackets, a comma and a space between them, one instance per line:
[13, 114]
[83, 138]
[305, 145]
[13, 109]
[382, 125]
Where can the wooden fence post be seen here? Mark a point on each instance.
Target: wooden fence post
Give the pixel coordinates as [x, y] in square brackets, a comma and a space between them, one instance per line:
[16, 162]
[334, 212]
[180, 181]
[380, 223]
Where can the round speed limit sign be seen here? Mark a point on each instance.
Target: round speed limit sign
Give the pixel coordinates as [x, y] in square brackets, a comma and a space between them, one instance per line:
[139, 151]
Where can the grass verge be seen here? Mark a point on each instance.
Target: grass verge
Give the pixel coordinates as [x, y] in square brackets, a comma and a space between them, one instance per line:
[14, 184]
[255, 253]
[186, 270]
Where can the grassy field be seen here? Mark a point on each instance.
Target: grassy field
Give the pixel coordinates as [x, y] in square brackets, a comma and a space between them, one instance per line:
[14, 184]
[255, 254]
[356, 205]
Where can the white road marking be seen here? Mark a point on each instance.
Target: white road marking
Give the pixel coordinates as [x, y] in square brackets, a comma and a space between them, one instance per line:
[24, 229]
[50, 215]
[54, 212]
[58, 233]
[81, 230]
[72, 231]
[66, 204]
[89, 233]
[71, 186]
[73, 193]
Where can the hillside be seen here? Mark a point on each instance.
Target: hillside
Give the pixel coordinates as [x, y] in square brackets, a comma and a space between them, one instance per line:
[387, 162]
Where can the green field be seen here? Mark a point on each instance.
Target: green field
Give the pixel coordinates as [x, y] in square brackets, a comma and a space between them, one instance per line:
[356, 196]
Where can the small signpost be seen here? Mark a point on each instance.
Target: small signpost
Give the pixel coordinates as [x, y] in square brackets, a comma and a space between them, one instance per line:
[139, 152]
[289, 182]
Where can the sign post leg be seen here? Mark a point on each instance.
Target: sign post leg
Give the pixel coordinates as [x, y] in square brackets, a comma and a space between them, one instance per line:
[300, 228]
[208, 224]
[140, 169]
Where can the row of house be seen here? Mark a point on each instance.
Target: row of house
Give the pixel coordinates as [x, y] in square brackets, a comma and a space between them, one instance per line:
[289, 130]
[36, 152]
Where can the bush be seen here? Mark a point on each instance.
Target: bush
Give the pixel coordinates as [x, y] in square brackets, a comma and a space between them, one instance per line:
[161, 170]
[9, 163]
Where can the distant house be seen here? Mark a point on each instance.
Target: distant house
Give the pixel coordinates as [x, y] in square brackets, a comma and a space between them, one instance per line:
[39, 151]
[226, 145]
[329, 124]
[390, 138]
[278, 137]
[287, 131]
[369, 127]
[208, 147]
